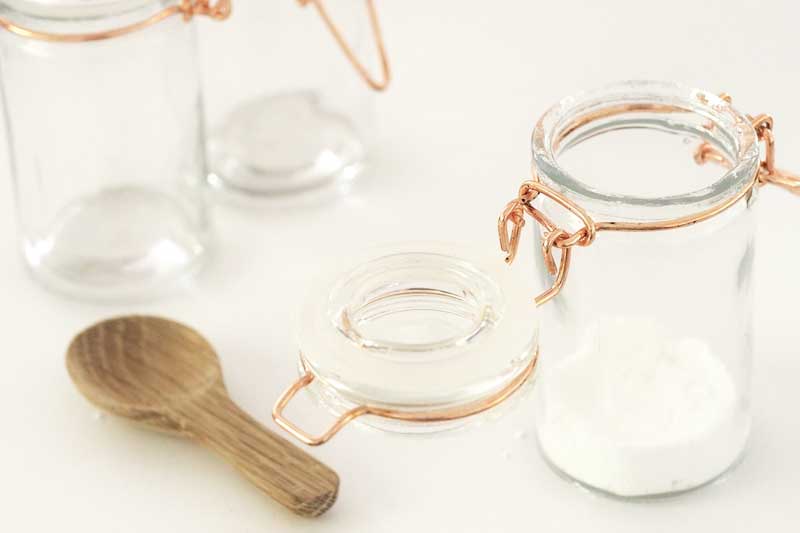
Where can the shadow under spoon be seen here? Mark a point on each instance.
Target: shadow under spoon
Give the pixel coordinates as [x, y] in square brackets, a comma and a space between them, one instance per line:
[167, 376]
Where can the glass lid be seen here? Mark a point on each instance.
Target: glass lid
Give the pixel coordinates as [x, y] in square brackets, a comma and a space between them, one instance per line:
[418, 328]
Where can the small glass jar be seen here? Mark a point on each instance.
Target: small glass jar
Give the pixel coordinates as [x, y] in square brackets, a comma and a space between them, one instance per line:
[645, 386]
[301, 115]
[103, 117]
[416, 338]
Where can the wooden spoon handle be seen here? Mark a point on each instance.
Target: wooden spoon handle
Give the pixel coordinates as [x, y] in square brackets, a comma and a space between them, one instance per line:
[288, 474]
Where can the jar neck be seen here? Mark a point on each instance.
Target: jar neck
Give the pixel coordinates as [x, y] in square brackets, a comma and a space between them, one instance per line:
[696, 116]
[75, 17]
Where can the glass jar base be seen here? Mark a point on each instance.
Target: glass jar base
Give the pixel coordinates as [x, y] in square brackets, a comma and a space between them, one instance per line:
[120, 243]
[644, 497]
[638, 410]
[283, 144]
[651, 473]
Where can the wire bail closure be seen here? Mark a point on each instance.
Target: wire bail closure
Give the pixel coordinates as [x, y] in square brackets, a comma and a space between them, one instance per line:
[373, 82]
[441, 415]
[186, 8]
[553, 236]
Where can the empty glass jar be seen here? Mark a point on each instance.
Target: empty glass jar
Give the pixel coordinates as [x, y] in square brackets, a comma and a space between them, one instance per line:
[298, 117]
[103, 116]
[646, 365]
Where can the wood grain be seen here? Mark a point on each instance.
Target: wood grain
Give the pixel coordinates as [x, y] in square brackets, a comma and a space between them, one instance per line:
[167, 376]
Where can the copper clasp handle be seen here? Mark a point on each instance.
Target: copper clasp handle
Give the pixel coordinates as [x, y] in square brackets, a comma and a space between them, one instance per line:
[218, 11]
[277, 414]
[513, 214]
[386, 75]
[768, 173]
[784, 180]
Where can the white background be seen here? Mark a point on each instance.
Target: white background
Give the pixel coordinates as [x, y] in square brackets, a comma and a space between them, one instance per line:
[471, 77]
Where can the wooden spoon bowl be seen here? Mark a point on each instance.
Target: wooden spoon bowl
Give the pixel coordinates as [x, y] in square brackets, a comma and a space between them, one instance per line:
[167, 376]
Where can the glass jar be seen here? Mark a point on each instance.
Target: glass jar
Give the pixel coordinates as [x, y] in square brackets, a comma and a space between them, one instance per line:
[645, 381]
[299, 116]
[414, 338]
[103, 117]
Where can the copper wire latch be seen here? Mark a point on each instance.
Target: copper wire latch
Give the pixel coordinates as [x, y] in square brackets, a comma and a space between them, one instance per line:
[440, 415]
[554, 237]
[186, 8]
[386, 75]
[513, 216]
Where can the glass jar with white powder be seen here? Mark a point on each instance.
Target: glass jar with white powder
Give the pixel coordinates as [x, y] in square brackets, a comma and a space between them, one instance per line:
[644, 387]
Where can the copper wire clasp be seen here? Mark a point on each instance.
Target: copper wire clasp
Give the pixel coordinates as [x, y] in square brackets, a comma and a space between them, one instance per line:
[218, 11]
[513, 214]
[277, 414]
[386, 74]
[767, 172]
[553, 236]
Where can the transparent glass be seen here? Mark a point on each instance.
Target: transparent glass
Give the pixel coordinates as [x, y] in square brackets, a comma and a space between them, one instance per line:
[105, 144]
[645, 381]
[298, 116]
[416, 327]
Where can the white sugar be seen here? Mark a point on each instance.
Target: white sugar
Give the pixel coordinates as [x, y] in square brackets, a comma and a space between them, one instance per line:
[637, 412]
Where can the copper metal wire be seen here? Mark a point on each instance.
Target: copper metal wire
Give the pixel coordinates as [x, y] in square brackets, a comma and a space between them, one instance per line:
[378, 84]
[440, 415]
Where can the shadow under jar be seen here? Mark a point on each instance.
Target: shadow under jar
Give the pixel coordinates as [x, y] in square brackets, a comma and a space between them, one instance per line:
[103, 117]
[645, 390]
[299, 117]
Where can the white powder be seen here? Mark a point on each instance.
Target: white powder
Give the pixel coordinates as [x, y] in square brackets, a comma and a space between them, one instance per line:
[636, 412]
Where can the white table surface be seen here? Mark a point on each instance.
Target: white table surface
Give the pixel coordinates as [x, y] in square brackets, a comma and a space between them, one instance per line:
[471, 77]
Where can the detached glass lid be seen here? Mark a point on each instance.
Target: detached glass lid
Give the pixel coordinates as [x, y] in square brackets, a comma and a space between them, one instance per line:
[417, 337]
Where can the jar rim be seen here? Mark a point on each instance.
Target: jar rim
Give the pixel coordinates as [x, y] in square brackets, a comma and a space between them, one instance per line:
[76, 9]
[54, 22]
[732, 132]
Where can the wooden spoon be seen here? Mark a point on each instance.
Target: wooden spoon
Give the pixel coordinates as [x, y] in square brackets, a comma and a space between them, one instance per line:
[167, 376]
